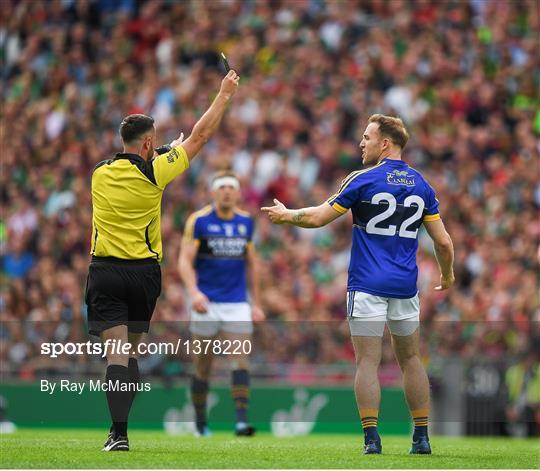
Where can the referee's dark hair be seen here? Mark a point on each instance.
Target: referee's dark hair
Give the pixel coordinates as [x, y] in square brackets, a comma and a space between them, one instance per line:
[134, 126]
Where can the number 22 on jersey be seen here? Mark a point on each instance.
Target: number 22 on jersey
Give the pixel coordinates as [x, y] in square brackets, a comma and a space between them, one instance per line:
[374, 225]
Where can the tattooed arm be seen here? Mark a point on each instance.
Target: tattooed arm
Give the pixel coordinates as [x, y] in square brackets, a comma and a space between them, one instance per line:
[315, 216]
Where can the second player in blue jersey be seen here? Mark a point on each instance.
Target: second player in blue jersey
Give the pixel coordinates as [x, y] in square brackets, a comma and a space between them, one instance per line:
[216, 254]
[222, 250]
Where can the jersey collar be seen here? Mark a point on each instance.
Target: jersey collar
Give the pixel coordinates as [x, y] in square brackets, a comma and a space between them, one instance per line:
[393, 161]
[128, 156]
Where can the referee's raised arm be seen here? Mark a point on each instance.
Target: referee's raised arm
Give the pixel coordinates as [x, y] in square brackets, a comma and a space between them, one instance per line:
[174, 159]
[206, 126]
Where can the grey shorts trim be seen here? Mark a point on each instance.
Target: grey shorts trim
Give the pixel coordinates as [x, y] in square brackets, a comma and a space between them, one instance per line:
[375, 327]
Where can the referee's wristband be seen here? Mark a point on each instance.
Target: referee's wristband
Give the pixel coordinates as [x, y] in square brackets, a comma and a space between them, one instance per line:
[163, 149]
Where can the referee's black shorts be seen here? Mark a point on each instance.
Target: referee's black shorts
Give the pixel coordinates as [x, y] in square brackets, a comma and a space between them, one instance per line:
[121, 292]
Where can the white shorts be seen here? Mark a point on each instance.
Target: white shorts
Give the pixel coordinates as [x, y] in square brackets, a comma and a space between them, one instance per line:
[228, 317]
[368, 314]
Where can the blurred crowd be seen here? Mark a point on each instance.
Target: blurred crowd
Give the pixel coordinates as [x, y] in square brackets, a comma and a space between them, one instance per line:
[464, 76]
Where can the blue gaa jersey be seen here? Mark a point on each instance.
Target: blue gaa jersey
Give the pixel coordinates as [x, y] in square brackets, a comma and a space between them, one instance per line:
[389, 202]
[221, 257]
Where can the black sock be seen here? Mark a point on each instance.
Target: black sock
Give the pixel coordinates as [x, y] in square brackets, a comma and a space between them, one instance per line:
[118, 400]
[199, 393]
[240, 393]
[134, 379]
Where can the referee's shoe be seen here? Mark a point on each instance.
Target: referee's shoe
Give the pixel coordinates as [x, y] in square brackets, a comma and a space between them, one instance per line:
[114, 443]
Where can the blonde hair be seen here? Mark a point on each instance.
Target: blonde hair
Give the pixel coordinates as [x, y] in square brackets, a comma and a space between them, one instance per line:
[392, 128]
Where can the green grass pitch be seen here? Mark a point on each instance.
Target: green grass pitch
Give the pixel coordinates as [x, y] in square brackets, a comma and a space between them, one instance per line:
[61, 448]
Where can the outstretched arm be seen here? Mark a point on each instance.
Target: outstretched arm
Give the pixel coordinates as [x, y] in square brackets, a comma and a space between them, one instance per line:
[207, 125]
[171, 160]
[314, 216]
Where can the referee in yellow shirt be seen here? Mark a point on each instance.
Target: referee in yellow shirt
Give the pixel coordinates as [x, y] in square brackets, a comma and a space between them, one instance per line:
[124, 278]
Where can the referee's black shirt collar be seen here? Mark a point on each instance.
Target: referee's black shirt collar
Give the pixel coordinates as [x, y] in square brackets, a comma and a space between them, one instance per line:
[128, 156]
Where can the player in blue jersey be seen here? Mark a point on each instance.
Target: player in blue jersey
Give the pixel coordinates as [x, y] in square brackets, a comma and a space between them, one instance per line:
[389, 202]
[216, 252]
